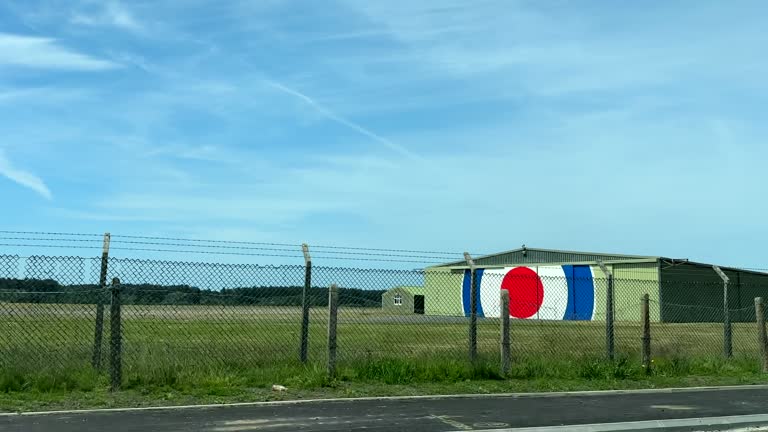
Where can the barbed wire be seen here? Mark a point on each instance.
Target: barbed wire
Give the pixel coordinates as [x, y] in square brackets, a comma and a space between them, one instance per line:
[203, 252]
[236, 242]
[270, 255]
[268, 249]
[79, 240]
[49, 246]
[399, 255]
[51, 233]
[178, 239]
[460, 254]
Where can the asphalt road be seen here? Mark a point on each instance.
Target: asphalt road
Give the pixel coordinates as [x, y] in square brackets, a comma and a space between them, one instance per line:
[428, 415]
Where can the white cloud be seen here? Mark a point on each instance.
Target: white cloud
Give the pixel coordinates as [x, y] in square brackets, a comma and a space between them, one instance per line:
[113, 14]
[41, 52]
[22, 177]
[554, 50]
[341, 120]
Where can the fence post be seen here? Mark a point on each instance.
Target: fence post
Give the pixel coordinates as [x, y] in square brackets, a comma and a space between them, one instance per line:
[609, 336]
[99, 327]
[727, 332]
[646, 316]
[333, 299]
[305, 304]
[116, 336]
[472, 308]
[505, 343]
[762, 338]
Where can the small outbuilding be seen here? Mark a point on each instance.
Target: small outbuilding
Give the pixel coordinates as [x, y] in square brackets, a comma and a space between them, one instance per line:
[403, 299]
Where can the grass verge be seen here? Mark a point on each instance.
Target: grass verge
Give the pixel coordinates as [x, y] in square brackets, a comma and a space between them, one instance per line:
[174, 384]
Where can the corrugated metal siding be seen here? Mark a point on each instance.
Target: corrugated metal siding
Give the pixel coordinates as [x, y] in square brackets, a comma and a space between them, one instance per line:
[751, 286]
[442, 292]
[631, 282]
[694, 293]
[647, 271]
[534, 256]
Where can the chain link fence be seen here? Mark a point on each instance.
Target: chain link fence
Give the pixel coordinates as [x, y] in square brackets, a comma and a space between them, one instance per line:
[55, 314]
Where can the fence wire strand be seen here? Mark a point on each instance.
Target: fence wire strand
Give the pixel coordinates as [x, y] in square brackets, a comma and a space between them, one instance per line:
[186, 315]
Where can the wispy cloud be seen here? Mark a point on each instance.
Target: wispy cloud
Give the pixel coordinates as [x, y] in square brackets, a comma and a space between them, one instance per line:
[204, 153]
[38, 52]
[341, 120]
[113, 14]
[24, 178]
[42, 95]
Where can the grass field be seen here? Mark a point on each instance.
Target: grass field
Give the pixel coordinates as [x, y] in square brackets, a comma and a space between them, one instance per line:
[234, 353]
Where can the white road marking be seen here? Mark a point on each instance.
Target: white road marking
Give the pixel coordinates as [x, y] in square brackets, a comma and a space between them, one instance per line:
[732, 421]
[673, 407]
[246, 422]
[399, 398]
[253, 427]
[746, 429]
[490, 425]
[452, 423]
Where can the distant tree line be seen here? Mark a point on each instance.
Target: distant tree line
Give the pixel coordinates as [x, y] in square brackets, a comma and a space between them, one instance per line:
[51, 291]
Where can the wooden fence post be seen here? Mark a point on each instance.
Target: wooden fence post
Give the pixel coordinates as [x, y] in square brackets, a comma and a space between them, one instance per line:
[762, 338]
[99, 325]
[116, 336]
[305, 300]
[333, 299]
[646, 316]
[505, 343]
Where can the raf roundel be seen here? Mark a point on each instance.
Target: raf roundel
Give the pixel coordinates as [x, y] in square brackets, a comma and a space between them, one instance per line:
[545, 292]
[526, 292]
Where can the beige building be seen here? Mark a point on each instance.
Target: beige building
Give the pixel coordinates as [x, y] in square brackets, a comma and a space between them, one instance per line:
[403, 299]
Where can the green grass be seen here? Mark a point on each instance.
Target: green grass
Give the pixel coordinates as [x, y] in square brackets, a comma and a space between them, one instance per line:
[51, 389]
[186, 354]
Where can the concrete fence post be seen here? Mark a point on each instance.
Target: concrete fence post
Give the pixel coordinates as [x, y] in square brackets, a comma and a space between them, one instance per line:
[727, 330]
[762, 338]
[609, 312]
[99, 325]
[472, 308]
[646, 317]
[116, 338]
[305, 303]
[333, 299]
[505, 342]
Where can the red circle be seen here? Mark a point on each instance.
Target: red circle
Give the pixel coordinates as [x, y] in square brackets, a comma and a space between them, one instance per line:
[526, 292]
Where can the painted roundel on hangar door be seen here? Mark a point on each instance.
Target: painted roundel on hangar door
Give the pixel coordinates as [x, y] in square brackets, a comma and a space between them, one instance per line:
[546, 292]
[526, 292]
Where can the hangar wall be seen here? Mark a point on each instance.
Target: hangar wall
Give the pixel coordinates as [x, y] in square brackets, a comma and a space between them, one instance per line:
[565, 289]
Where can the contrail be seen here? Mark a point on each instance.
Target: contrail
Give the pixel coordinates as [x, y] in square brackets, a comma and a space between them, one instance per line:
[341, 120]
[22, 177]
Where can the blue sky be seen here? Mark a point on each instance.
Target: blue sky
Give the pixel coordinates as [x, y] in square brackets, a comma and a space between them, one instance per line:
[629, 127]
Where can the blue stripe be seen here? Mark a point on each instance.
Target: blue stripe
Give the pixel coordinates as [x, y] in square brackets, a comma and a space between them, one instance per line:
[583, 293]
[467, 289]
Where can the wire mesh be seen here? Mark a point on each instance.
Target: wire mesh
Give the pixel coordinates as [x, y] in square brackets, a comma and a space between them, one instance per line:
[186, 315]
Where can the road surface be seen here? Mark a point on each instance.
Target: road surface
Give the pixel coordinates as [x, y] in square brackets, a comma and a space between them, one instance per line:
[424, 414]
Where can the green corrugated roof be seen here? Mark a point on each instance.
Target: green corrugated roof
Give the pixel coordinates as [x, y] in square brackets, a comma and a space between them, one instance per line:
[528, 255]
